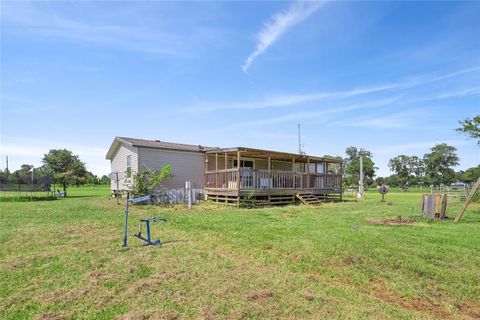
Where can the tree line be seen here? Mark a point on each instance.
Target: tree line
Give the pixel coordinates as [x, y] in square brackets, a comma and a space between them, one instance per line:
[434, 168]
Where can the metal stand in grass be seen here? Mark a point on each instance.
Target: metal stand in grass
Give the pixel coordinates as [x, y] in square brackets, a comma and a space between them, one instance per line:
[383, 191]
[147, 221]
[462, 209]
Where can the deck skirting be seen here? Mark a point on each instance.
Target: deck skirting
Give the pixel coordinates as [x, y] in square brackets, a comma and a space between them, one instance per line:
[266, 197]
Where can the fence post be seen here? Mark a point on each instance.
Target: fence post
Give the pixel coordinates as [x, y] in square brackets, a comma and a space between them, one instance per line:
[116, 178]
[189, 194]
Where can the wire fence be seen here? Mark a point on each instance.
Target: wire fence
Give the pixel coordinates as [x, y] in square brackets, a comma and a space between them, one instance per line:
[16, 185]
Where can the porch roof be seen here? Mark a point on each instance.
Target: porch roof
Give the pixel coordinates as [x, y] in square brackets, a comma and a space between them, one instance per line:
[275, 155]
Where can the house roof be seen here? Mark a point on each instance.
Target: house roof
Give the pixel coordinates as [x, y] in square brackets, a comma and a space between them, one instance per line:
[252, 152]
[275, 155]
[154, 144]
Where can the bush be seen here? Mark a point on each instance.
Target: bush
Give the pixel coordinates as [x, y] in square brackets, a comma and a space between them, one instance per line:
[148, 180]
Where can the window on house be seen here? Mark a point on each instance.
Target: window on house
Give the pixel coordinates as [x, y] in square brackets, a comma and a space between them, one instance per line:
[129, 166]
[320, 168]
[243, 163]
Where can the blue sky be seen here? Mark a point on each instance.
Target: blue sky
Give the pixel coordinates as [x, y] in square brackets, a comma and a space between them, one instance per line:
[391, 77]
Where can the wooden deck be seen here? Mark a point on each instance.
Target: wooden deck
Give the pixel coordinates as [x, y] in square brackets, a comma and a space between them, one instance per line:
[226, 182]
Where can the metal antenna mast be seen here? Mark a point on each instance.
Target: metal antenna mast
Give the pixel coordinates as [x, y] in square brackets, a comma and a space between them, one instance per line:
[299, 142]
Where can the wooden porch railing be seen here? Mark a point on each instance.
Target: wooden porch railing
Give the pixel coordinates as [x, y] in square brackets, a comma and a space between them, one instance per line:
[273, 179]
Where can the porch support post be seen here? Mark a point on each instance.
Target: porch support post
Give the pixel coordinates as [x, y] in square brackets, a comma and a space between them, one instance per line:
[206, 169]
[308, 173]
[225, 173]
[238, 176]
[293, 173]
[216, 170]
[269, 176]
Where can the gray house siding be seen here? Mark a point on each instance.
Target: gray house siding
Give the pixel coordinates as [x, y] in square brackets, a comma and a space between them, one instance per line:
[119, 163]
[186, 165]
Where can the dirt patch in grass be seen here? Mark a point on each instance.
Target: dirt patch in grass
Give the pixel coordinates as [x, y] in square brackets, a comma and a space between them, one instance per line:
[293, 257]
[470, 310]
[63, 296]
[208, 313]
[260, 295]
[392, 221]
[54, 316]
[99, 276]
[380, 291]
[163, 315]
[132, 315]
[310, 297]
[351, 260]
[24, 262]
[90, 289]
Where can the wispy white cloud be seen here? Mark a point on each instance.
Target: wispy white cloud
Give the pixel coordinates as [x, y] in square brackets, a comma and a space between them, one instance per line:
[392, 121]
[284, 100]
[51, 22]
[316, 114]
[398, 120]
[447, 95]
[279, 24]
[408, 147]
[430, 78]
[268, 135]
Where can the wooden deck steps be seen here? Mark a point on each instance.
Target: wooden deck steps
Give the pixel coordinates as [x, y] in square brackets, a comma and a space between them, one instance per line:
[308, 198]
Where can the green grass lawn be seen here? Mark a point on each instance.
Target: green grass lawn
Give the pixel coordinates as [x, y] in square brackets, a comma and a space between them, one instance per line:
[63, 259]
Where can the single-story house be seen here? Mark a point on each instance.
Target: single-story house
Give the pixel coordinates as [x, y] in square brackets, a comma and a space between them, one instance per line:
[231, 175]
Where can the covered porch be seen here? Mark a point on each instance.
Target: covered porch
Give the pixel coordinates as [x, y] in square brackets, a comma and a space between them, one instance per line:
[235, 173]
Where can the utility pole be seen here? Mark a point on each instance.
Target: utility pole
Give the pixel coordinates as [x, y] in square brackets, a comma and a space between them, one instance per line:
[7, 169]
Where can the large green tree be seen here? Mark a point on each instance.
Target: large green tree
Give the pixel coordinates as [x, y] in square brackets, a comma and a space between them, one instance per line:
[469, 175]
[104, 180]
[408, 169]
[89, 178]
[471, 127]
[400, 166]
[439, 163]
[352, 166]
[66, 168]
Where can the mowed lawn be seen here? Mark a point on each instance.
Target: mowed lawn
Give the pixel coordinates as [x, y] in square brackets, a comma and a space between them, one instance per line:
[63, 259]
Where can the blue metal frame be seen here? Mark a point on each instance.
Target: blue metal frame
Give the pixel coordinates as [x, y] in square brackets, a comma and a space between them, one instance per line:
[148, 240]
[134, 200]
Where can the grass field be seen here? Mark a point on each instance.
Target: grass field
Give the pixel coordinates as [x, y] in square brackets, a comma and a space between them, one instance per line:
[63, 259]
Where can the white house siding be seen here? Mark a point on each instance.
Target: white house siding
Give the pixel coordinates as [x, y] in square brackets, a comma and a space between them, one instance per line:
[119, 163]
[186, 165]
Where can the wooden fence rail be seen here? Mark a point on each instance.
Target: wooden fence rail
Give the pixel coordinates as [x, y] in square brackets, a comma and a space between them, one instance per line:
[273, 179]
